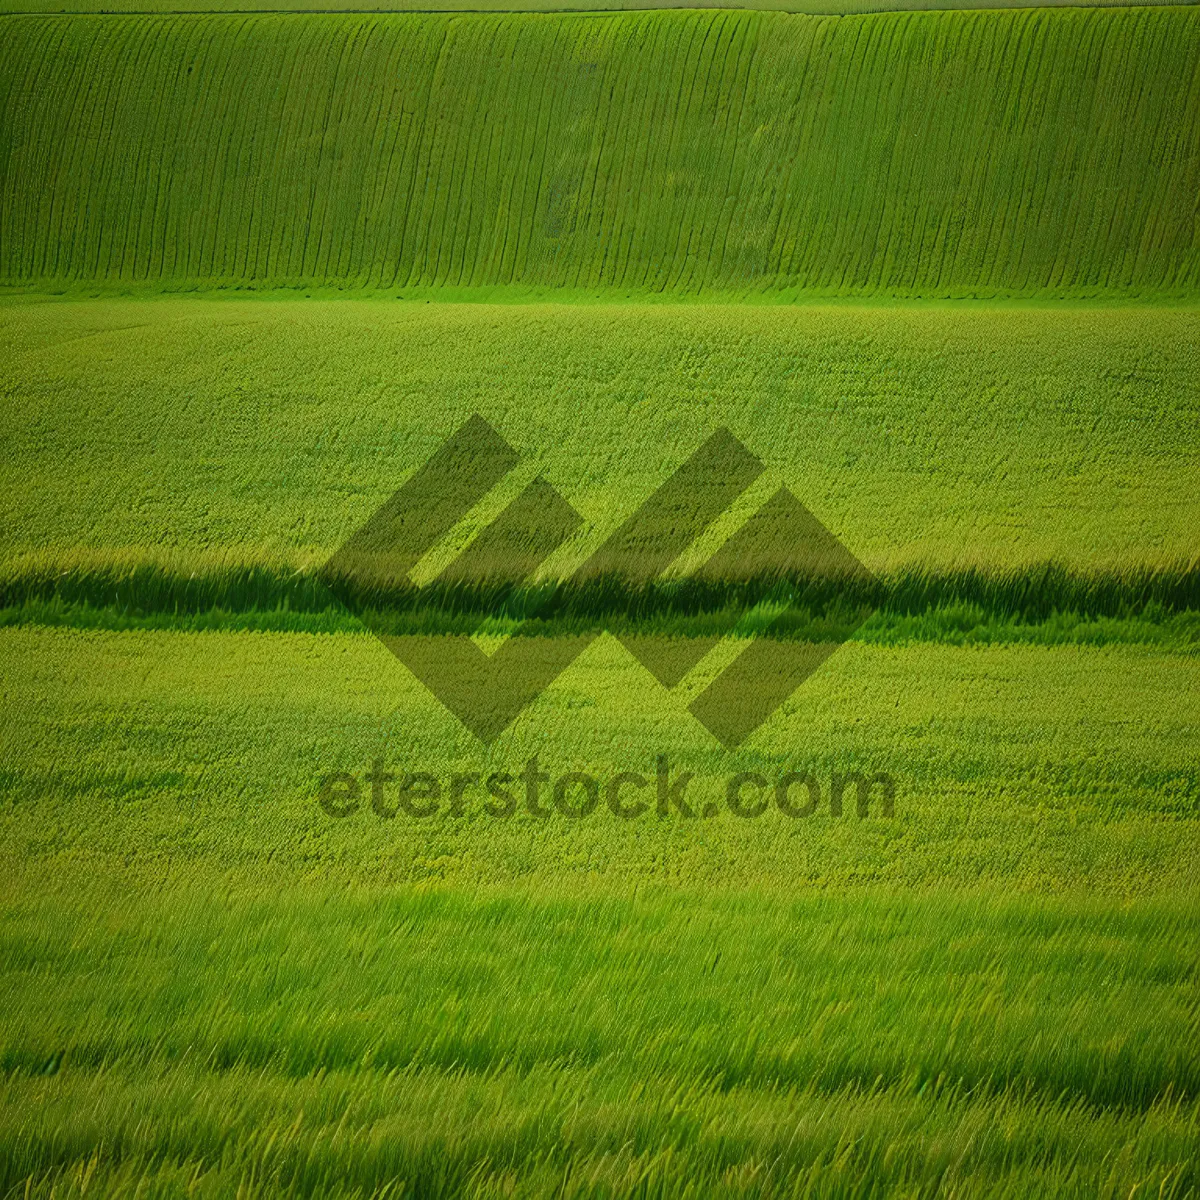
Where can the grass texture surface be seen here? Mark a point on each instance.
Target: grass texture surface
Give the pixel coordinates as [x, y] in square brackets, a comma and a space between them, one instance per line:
[926, 929]
[948, 154]
[211, 436]
[991, 990]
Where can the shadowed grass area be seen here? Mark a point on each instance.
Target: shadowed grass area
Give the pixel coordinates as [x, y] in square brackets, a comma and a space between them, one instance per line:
[1030, 594]
[957, 624]
[1047, 604]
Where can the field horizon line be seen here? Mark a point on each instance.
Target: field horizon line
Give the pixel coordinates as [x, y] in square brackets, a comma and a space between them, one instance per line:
[783, 8]
[529, 295]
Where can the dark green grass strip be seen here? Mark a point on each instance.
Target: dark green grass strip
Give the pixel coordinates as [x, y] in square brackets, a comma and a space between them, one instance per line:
[674, 960]
[961, 624]
[1030, 595]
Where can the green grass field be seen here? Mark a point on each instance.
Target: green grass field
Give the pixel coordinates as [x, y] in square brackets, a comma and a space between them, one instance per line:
[273, 921]
[556, 1044]
[718, 153]
[197, 432]
[991, 992]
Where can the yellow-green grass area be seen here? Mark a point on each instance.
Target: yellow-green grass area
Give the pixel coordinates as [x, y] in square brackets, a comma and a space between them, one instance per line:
[1034, 768]
[212, 983]
[201, 433]
[1029, 152]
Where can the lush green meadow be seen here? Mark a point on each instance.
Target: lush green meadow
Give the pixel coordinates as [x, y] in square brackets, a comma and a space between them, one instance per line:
[197, 433]
[554, 1043]
[631, 154]
[274, 922]
[990, 992]
[1028, 768]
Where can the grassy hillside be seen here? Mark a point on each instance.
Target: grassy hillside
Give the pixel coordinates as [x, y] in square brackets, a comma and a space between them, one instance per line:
[1032, 152]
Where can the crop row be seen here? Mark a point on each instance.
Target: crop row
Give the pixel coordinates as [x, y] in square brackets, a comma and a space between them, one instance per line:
[947, 154]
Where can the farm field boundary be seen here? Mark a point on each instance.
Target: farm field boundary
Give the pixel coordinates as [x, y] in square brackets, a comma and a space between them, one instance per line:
[1046, 605]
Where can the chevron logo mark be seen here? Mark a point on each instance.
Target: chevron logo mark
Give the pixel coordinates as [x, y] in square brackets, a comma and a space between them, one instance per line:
[487, 691]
